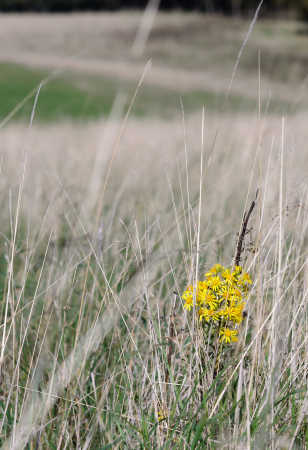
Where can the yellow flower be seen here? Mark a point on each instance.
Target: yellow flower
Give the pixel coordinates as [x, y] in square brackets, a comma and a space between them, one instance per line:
[238, 270]
[161, 415]
[234, 313]
[189, 303]
[245, 279]
[236, 293]
[201, 292]
[210, 300]
[227, 335]
[188, 293]
[228, 276]
[208, 314]
[214, 283]
[225, 292]
[188, 296]
[219, 299]
[214, 270]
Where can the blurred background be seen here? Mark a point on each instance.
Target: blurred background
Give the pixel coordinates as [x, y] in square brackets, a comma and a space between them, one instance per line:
[88, 51]
[223, 6]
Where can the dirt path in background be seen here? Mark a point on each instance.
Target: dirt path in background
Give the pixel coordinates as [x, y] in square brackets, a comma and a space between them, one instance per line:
[170, 78]
[100, 44]
[165, 77]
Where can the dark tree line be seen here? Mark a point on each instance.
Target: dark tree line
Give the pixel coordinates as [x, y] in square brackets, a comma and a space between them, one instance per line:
[222, 6]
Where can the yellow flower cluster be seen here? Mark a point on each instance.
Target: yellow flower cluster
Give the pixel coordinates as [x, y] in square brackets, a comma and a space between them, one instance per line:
[162, 415]
[220, 299]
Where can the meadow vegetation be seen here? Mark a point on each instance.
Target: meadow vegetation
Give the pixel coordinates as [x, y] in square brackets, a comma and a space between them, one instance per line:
[105, 224]
[84, 98]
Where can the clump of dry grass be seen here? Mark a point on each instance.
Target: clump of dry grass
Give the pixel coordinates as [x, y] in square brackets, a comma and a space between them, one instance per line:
[90, 326]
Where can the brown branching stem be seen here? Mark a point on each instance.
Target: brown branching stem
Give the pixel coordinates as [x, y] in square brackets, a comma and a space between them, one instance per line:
[240, 242]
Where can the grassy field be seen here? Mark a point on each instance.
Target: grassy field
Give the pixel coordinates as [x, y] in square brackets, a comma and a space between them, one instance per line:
[105, 223]
[80, 97]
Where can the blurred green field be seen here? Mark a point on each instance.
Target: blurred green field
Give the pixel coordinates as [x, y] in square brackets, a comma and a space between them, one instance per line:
[82, 97]
[193, 58]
